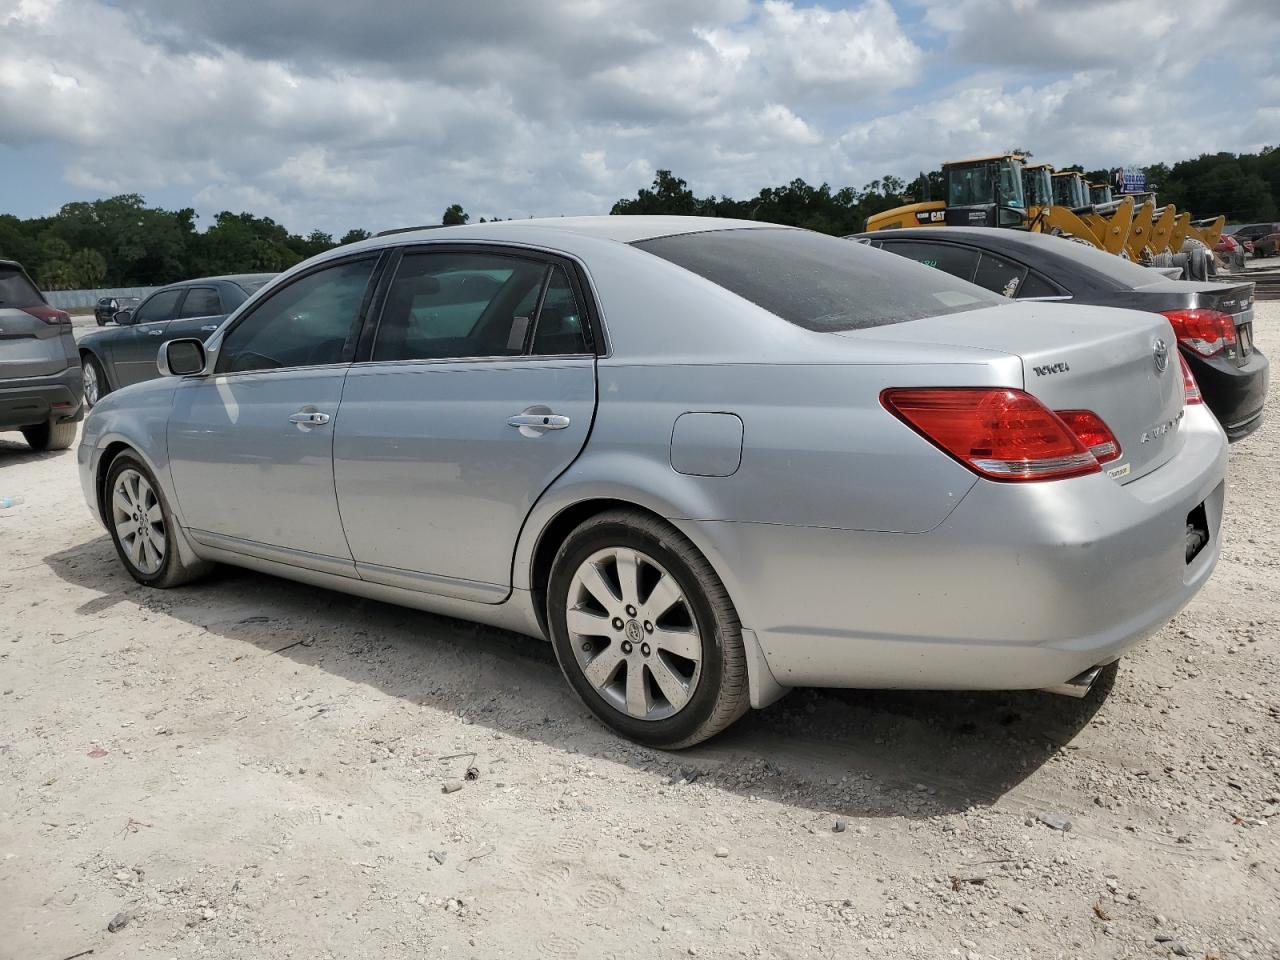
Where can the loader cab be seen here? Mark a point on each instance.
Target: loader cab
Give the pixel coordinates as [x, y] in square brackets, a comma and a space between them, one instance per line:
[1069, 190]
[1037, 185]
[1100, 193]
[985, 192]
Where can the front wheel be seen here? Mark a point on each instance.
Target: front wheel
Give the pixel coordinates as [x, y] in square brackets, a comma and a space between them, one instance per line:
[95, 381]
[50, 436]
[143, 528]
[645, 631]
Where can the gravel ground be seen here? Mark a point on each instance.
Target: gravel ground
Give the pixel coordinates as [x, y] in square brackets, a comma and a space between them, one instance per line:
[251, 768]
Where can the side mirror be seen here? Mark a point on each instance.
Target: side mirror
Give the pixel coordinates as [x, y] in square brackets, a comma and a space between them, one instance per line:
[123, 317]
[182, 358]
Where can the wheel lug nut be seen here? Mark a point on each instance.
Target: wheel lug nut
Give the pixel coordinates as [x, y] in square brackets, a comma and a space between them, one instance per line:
[626, 646]
[644, 648]
[648, 627]
[617, 623]
[631, 611]
[586, 647]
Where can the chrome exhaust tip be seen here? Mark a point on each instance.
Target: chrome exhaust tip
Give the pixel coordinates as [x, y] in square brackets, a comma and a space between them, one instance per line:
[1078, 686]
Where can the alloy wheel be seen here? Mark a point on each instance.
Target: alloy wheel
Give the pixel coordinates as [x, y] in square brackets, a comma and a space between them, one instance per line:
[92, 389]
[634, 633]
[138, 519]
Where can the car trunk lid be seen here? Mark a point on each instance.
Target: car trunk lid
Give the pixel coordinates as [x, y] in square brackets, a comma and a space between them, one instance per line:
[1120, 364]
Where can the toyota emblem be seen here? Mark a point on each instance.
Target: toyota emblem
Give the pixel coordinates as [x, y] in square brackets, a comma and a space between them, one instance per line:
[1160, 353]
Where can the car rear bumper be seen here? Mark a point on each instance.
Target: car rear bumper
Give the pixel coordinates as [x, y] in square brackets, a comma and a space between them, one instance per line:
[1236, 395]
[35, 400]
[1022, 586]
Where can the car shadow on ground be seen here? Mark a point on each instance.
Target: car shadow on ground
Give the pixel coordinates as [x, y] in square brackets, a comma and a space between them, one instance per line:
[14, 451]
[858, 753]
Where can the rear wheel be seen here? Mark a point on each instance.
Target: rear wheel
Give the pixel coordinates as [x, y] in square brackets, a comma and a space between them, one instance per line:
[50, 435]
[142, 527]
[645, 632]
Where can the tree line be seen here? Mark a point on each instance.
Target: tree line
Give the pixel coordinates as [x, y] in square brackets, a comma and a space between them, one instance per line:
[120, 241]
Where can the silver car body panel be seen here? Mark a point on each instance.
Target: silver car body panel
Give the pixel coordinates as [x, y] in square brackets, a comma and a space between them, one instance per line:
[856, 553]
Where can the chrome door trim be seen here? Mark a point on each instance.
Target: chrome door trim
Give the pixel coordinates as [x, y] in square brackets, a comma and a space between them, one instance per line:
[284, 555]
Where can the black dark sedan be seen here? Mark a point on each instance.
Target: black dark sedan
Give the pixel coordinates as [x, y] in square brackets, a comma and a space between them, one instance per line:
[105, 310]
[1212, 320]
[120, 355]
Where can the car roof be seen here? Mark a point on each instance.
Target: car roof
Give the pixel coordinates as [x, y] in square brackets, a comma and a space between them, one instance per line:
[623, 229]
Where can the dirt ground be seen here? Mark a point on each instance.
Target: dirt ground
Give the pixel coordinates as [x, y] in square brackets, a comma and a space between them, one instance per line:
[252, 768]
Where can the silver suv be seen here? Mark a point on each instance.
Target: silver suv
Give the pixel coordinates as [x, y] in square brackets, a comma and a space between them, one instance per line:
[41, 391]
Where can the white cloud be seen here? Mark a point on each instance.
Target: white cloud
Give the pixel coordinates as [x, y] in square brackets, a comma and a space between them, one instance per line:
[323, 113]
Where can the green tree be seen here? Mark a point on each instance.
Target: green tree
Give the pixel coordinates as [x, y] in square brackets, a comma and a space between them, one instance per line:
[454, 216]
[57, 275]
[89, 267]
[354, 235]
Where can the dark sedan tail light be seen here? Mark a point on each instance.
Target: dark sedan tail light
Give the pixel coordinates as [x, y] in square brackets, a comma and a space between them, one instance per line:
[1207, 332]
[998, 433]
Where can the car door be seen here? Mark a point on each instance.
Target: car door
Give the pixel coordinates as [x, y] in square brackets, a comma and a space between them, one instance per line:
[133, 349]
[250, 443]
[199, 314]
[477, 390]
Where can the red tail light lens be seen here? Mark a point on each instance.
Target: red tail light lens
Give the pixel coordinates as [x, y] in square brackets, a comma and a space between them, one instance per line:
[1001, 434]
[1190, 389]
[1207, 332]
[49, 315]
[1093, 433]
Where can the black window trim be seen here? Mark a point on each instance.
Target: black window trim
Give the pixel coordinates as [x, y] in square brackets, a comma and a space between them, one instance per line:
[379, 258]
[596, 341]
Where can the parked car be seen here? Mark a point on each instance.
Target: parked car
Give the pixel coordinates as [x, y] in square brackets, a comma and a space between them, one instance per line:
[40, 391]
[1232, 252]
[105, 310]
[126, 353]
[708, 459]
[1265, 237]
[1267, 245]
[1212, 320]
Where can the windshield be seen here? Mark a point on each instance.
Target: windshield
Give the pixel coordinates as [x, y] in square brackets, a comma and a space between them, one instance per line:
[819, 282]
[974, 184]
[1039, 185]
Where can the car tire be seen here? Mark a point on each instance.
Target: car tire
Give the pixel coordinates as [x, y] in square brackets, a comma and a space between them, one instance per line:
[659, 657]
[143, 527]
[50, 435]
[95, 380]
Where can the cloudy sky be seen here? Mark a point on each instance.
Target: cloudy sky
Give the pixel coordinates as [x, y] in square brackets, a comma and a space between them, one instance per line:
[334, 113]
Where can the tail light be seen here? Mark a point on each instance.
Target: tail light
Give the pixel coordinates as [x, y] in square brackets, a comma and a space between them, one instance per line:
[1207, 332]
[1190, 389]
[50, 315]
[999, 433]
[1093, 433]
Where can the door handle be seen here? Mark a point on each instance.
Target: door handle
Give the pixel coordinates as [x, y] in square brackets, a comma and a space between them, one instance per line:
[155, 333]
[538, 421]
[312, 418]
[210, 326]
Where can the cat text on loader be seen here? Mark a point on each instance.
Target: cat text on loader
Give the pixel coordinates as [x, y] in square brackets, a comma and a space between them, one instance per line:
[982, 192]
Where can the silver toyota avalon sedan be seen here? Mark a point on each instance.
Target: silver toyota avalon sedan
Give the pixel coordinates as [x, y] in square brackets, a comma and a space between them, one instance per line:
[708, 459]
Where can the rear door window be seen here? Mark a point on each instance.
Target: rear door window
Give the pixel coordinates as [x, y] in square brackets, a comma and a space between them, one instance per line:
[452, 305]
[952, 258]
[816, 281]
[200, 302]
[16, 290]
[1034, 285]
[1000, 275]
[159, 307]
[560, 328]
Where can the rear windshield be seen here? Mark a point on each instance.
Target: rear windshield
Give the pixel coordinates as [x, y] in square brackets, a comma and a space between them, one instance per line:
[250, 286]
[819, 282]
[16, 290]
